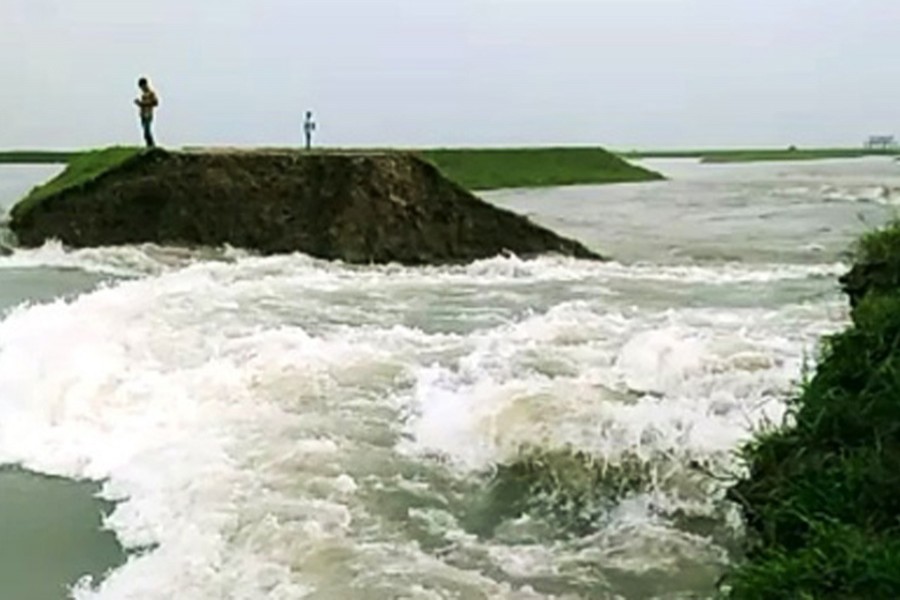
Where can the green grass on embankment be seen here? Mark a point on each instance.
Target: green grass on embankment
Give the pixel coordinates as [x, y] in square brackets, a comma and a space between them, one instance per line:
[761, 154]
[488, 169]
[35, 157]
[476, 168]
[82, 169]
[822, 500]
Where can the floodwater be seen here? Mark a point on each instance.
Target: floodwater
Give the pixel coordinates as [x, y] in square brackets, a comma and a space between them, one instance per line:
[283, 427]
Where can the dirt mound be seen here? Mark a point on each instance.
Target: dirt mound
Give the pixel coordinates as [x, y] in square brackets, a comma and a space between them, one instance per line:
[360, 208]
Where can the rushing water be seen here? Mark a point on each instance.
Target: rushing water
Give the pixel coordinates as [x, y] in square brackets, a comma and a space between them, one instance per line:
[288, 428]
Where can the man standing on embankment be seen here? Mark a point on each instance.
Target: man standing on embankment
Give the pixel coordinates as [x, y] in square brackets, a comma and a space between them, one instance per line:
[147, 103]
[309, 126]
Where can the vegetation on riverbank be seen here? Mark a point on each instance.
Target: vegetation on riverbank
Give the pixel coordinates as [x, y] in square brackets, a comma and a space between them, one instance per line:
[81, 169]
[761, 154]
[487, 169]
[822, 500]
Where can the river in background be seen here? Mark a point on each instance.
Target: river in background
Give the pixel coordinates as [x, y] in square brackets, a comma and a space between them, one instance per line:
[288, 428]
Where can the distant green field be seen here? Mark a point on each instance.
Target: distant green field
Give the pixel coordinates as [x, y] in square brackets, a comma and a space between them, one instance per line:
[761, 154]
[641, 154]
[775, 155]
[487, 169]
[33, 157]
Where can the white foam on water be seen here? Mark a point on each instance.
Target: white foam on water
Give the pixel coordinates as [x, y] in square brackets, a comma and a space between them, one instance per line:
[120, 261]
[867, 194]
[566, 269]
[681, 382]
[151, 259]
[254, 418]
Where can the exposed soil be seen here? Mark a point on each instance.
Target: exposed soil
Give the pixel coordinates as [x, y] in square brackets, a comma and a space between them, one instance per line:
[360, 208]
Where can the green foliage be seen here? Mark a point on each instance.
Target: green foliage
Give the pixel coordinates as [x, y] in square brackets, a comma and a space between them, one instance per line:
[83, 169]
[486, 169]
[840, 561]
[877, 265]
[881, 246]
[823, 496]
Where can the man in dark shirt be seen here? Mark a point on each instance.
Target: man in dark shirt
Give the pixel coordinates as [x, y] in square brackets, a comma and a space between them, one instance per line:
[147, 103]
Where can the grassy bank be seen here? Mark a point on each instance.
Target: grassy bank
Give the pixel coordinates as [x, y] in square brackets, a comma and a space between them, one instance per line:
[35, 157]
[823, 497]
[81, 169]
[476, 169]
[761, 154]
[487, 169]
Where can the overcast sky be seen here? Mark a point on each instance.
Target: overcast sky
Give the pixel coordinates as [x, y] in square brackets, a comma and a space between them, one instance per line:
[621, 73]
